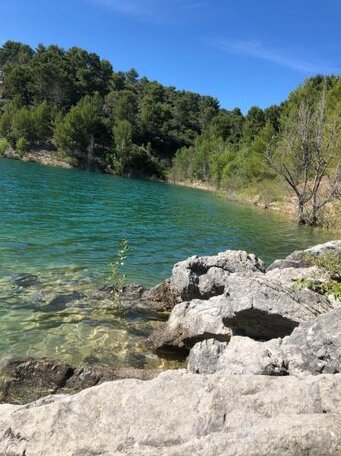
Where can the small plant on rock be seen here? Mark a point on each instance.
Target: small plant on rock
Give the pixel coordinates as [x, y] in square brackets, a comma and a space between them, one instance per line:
[117, 277]
[331, 263]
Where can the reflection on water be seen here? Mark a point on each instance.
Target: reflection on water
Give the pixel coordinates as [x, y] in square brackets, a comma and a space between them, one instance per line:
[59, 231]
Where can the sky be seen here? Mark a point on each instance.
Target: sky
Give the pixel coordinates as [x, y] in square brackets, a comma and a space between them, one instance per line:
[243, 52]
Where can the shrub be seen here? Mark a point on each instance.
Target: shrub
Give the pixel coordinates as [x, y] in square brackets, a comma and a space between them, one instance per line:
[4, 145]
[21, 147]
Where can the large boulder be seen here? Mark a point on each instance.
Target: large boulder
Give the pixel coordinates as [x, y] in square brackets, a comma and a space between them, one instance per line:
[261, 308]
[189, 323]
[204, 277]
[314, 347]
[252, 305]
[242, 356]
[182, 413]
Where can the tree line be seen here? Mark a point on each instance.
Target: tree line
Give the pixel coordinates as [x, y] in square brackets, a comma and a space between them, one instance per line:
[99, 117]
[74, 102]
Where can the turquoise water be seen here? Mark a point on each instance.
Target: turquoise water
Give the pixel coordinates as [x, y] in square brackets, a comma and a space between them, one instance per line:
[63, 227]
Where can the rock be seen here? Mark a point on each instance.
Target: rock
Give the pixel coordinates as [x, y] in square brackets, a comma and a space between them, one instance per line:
[204, 277]
[297, 260]
[27, 379]
[23, 380]
[242, 356]
[190, 322]
[289, 276]
[252, 305]
[61, 302]
[160, 298]
[260, 308]
[314, 347]
[204, 356]
[179, 413]
[26, 280]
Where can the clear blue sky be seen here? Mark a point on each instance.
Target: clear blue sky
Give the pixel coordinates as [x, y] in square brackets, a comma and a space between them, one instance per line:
[244, 52]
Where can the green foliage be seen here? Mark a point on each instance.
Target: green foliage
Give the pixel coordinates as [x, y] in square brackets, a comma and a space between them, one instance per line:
[21, 147]
[120, 121]
[329, 261]
[79, 131]
[4, 145]
[332, 287]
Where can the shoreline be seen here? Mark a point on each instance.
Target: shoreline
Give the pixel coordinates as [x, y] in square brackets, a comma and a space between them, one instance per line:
[284, 208]
[277, 207]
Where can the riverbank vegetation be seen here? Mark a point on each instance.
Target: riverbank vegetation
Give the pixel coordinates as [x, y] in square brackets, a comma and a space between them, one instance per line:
[74, 104]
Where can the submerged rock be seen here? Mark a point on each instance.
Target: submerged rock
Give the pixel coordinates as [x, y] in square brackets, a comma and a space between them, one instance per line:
[26, 280]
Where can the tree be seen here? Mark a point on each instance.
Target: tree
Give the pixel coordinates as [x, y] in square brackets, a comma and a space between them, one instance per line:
[78, 132]
[122, 135]
[307, 157]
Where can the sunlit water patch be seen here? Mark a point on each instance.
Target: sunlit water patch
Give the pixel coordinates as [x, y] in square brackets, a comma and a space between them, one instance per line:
[59, 231]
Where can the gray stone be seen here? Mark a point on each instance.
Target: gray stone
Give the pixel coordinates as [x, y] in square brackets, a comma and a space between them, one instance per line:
[296, 259]
[204, 356]
[314, 347]
[180, 413]
[252, 305]
[242, 356]
[204, 277]
[190, 322]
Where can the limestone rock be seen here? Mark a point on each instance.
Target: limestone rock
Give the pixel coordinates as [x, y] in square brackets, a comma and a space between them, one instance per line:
[252, 305]
[205, 355]
[314, 347]
[204, 277]
[296, 259]
[182, 413]
[190, 322]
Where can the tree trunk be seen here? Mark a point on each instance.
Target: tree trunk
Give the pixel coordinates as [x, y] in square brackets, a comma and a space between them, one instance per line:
[91, 152]
[301, 213]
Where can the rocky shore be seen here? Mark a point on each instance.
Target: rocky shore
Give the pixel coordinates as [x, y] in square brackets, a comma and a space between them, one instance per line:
[263, 373]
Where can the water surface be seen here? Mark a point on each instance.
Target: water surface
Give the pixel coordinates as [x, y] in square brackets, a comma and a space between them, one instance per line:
[59, 231]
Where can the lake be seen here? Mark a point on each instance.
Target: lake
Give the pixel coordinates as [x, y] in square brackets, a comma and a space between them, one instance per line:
[59, 231]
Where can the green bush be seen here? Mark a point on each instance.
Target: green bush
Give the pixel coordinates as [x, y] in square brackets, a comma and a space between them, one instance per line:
[331, 287]
[329, 261]
[4, 145]
[21, 147]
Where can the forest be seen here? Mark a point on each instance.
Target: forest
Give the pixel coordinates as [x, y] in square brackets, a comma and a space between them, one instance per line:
[75, 103]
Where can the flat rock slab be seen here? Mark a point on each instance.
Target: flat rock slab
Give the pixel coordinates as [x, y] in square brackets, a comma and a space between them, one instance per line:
[179, 413]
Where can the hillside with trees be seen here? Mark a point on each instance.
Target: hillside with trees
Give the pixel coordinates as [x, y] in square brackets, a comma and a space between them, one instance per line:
[73, 103]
